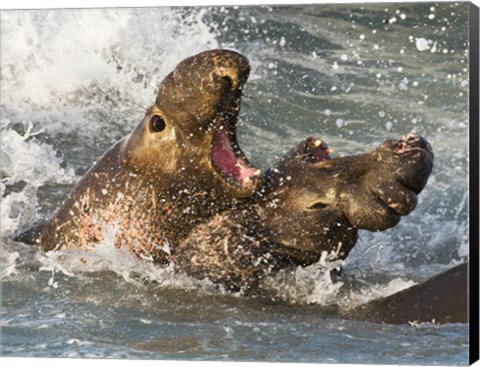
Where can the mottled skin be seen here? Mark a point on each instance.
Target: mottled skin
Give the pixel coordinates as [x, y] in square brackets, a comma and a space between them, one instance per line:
[310, 204]
[441, 299]
[180, 166]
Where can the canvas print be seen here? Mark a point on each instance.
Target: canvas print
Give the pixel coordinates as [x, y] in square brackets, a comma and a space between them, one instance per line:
[236, 183]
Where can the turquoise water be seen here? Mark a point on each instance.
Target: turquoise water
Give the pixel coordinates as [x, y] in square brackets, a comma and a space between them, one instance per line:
[73, 82]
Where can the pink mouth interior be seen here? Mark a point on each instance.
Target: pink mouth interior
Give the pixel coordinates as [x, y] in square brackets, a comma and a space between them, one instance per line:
[224, 158]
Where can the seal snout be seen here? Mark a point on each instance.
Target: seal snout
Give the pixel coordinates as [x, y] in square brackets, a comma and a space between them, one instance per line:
[412, 141]
[235, 74]
[222, 67]
[230, 66]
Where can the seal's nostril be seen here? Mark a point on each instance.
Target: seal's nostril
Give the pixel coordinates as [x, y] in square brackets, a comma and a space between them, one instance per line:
[229, 81]
[228, 77]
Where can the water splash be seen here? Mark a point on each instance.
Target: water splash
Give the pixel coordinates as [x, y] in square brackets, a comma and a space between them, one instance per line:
[9, 263]
[27, 164]
[103, 74]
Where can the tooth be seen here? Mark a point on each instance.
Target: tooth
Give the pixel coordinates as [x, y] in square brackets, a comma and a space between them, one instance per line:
[257, 172]
[246, 180]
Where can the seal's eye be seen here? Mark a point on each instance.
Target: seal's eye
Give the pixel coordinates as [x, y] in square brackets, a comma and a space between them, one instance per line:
[157, 123]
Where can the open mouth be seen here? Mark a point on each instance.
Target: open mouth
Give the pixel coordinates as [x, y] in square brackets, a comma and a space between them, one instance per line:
[317, 151]
[227, 157]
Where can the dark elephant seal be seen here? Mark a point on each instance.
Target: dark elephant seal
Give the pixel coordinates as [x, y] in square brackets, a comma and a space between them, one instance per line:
[178, 167]
[310, 206]
[441, 299]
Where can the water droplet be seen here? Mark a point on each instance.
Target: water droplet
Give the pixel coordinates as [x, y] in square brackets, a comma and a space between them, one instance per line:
[421, 44]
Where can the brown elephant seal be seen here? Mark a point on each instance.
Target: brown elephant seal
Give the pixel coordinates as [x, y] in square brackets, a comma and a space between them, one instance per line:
[179, 166]
[310, 205]
[441, 299]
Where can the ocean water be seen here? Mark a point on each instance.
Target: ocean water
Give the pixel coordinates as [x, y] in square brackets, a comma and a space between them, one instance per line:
[75, 81]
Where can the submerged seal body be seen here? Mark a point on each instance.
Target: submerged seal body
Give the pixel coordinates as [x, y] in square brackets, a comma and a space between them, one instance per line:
[179, 166]
[310, 205]
[440, 299]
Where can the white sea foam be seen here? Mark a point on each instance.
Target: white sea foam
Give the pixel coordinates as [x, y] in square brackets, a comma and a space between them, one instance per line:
[30, 163]
[60, 65]
[26, 159]
[311, 284]
[9, 262]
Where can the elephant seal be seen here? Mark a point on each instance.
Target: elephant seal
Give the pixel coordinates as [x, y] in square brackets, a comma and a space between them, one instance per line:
[310, 205]
[180, 165]
[441, 299]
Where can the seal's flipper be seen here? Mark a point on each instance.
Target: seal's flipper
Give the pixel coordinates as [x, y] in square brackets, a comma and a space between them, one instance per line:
[31, 235]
